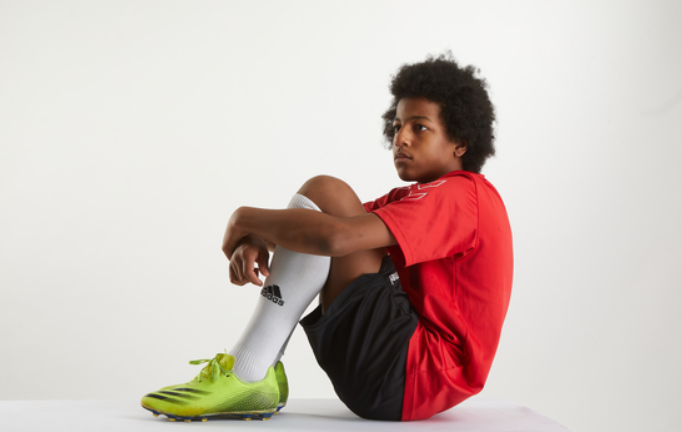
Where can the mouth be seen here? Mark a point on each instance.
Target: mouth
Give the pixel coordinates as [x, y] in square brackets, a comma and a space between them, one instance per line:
[401, 157]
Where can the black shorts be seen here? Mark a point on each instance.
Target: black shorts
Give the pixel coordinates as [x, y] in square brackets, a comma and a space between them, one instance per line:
[361, 343]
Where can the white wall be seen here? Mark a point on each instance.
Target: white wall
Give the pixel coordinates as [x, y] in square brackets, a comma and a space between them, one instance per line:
[130, 130]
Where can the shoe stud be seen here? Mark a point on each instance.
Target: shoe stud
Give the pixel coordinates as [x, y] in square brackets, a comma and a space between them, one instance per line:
[204, 419]
[247, 418]
[188, 421]
[171, 419]
[155, 414]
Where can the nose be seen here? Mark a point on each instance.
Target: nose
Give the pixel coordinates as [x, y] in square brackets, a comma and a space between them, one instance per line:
[402, 138]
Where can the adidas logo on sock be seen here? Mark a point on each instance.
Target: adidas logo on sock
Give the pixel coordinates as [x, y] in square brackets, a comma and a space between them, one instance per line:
[271, 292]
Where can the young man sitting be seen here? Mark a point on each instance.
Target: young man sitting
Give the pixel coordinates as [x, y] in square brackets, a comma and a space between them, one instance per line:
[413, 286]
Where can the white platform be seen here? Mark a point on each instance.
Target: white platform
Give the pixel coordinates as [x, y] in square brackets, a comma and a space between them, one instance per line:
[475, 415]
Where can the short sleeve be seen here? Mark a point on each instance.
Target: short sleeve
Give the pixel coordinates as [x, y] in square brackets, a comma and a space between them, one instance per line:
[434, 220]
[369, 206]
[393, 195]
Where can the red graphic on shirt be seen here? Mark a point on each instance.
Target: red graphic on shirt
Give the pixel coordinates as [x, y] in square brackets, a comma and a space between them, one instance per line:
[412, 196]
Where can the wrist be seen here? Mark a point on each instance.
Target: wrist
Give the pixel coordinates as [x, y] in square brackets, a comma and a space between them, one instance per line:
[234, 234]
[235, 221]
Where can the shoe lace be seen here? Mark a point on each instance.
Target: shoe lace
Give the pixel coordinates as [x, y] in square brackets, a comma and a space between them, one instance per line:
[212, 369]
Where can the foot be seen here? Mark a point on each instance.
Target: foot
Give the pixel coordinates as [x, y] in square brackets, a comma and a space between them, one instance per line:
[217, 392]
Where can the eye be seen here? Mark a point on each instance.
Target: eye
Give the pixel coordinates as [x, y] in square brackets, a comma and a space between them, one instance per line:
[396, 127]
[420, 127]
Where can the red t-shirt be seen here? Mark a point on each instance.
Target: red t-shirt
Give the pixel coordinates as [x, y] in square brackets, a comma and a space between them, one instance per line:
[454, 258]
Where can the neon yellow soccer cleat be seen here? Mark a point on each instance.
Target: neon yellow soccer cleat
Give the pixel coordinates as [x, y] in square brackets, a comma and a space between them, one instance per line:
[283, 385]
[217, 392]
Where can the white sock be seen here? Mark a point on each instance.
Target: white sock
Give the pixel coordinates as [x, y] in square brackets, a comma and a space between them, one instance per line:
[294, 281]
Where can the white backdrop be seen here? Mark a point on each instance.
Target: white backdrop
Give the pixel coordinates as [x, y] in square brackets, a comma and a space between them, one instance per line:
[130, 130]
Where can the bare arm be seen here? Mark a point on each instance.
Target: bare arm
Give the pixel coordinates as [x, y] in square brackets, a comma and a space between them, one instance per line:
[307, 231]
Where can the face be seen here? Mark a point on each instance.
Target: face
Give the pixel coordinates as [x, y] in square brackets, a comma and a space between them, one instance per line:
[422, 151]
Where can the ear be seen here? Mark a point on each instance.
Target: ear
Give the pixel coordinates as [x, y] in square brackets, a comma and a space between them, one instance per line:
[460, 149]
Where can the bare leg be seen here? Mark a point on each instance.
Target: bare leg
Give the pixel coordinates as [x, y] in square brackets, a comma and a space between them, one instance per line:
[336, 198]
[296, 278]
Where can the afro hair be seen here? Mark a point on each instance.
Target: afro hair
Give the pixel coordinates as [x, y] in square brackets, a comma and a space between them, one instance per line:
[465, 108]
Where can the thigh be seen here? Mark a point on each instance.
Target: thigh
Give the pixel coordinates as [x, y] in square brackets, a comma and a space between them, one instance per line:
[361, 342]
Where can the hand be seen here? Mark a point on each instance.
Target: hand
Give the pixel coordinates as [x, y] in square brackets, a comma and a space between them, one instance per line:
[250, 251]
[233, 236]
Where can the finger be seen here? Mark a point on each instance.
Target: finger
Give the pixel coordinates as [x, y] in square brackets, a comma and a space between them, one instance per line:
[252, 276]
[248, 267]
[235, 277]
[263, 265]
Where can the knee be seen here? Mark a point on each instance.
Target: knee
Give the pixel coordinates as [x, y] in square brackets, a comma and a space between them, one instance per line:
[322, 184]
[332, 195]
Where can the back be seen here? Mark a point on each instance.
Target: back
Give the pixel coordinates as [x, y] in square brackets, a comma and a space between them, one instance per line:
[454, 258]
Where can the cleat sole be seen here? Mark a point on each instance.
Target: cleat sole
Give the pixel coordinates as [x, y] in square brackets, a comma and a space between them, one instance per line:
[246, 416]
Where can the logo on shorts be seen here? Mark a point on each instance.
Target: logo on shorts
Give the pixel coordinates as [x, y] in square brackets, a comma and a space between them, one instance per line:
[393, 277]
[272, 292]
